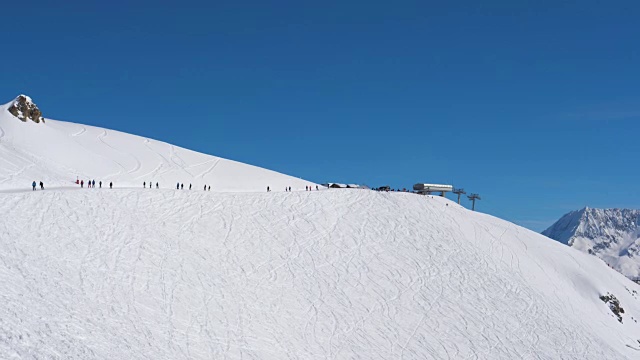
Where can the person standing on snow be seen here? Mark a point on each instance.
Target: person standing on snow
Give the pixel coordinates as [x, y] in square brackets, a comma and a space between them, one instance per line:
[33, 185]
[181, 186]
[209, 188]
[81, 183]
[100, 184]
[157, 186]
[178, 186]
[144, 185]
[93, 184]
[111, 185]
[268, 189]
[205, 188]
[41, 185]
[189, 186]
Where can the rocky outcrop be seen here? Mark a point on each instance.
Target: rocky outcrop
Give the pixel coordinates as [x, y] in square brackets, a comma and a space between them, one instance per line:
[25, 109]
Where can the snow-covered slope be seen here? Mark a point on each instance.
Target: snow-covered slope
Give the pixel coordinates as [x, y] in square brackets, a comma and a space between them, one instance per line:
[610, 234]
[58, 152]
[166, 274]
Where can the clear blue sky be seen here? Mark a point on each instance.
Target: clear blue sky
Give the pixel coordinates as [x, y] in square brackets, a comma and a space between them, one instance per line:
[534, 105]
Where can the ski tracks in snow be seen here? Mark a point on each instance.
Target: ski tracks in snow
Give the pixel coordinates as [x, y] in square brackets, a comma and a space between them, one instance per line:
[353, 274]
[82, 131]
[101, 137]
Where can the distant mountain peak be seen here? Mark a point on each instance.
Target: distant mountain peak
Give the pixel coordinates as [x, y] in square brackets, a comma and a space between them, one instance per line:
[25, 109]
[611, 234]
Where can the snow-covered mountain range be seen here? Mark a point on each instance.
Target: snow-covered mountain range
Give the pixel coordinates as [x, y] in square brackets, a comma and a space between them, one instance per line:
[58, 153]
[132, 273]
[611, 234]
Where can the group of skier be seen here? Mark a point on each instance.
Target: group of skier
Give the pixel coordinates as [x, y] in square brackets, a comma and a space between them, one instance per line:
[180, 186]
[92, 184]
[288, 189]
[33, 185]
[144, 185]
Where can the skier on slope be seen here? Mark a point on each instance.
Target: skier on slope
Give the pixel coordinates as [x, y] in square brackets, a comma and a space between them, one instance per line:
[33, 185]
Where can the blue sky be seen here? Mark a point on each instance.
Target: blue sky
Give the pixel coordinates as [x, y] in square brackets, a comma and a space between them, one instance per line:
[534, 105]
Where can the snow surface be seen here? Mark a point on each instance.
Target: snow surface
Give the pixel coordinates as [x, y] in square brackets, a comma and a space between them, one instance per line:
[134, 273]
[167, 274]
[611, 234]
[58, 152]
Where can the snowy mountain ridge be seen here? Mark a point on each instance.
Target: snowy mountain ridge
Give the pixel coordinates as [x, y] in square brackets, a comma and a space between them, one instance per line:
[610, 234]
[59, 152]
[338, 274]
[241, 273]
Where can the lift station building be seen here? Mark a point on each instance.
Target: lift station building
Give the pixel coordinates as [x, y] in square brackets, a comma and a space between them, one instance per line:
[426, 189]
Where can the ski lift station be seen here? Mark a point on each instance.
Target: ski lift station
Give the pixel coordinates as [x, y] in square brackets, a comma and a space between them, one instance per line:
[427, 189]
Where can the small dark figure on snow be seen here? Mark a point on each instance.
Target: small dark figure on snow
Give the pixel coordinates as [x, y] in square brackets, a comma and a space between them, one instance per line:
[93, 184]
[41, 185]
[178, 186]
[205, 188]
[33, 184]
[100, 184]
[317, 188]
[268, 189]
[81, 183]
[111, 185]
[144, 185]
[181, 186]
[157, 186]
[189, 186]
[209, 188]
[289, 188]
